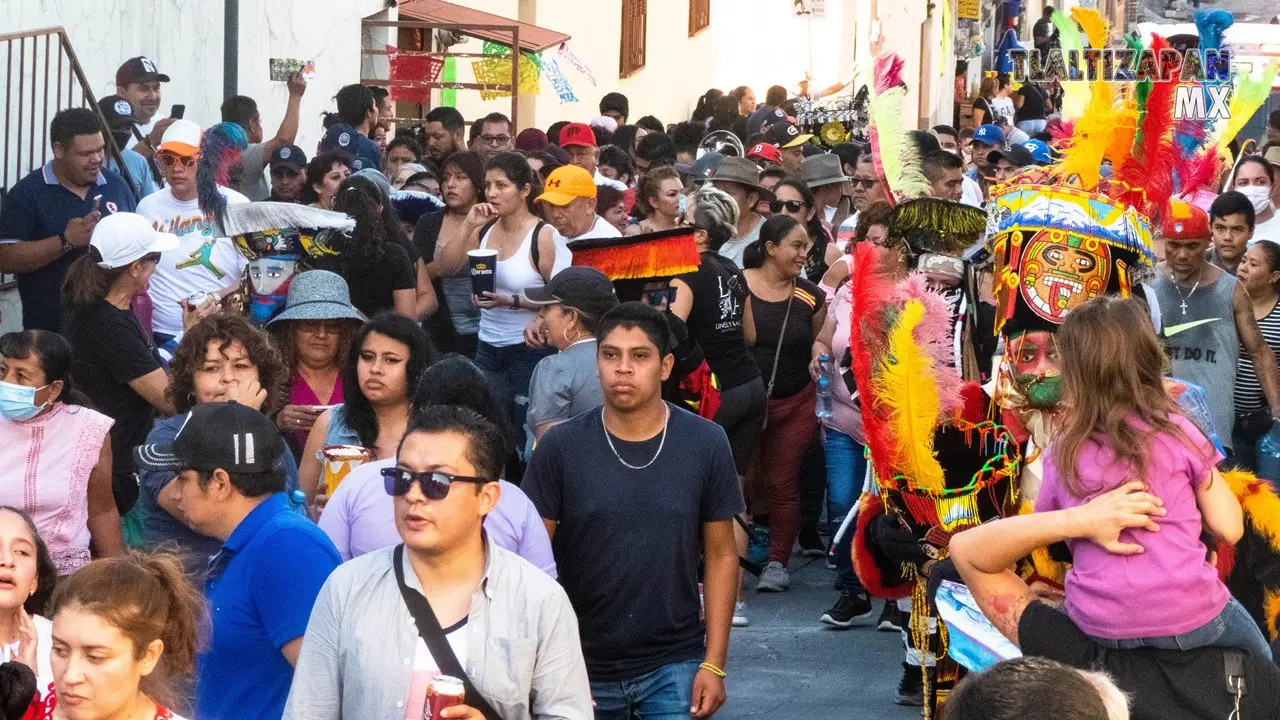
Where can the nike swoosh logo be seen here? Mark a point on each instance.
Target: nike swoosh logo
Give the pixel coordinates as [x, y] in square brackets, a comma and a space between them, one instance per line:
[1171, 330]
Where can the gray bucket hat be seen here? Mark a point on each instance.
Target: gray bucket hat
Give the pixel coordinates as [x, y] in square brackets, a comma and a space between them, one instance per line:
[822, 170]
[318, 295]
[743, 172]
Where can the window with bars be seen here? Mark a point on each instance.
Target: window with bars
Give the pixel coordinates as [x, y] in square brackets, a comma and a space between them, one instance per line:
[634, 20]
[699, 16]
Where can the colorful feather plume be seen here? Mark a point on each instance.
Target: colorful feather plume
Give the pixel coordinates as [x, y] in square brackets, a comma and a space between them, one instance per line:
[1211, 27]
[1200, 172]
[1249, 94]
[1090, 136]
[870, 291]
[933, 334]
[1068, 33]
[220, 149]
[894, 154]
[652, 255]
[905, 393]
[1096, 28]
[1146, 178]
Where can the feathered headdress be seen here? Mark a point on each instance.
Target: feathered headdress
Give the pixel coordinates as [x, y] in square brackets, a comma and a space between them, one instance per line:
[1146, 180]
[937, 226]
[896, 159]
[274, 228]
[636, 261]
[220, 149]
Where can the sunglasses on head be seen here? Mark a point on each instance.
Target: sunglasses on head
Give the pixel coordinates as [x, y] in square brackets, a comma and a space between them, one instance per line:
[435, 485]
[168, 159]
[790, 205]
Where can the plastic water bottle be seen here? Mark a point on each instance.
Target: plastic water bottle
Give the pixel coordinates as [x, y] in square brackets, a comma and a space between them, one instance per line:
[824, 390]
[1269, 456]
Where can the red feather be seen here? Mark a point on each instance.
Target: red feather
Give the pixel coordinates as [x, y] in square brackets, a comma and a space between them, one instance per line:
[888, 72]
[1200, 172]
[869, 294]
[1147, 176]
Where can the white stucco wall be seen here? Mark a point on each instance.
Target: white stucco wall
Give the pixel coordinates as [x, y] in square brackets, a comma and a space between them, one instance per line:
[185, 41]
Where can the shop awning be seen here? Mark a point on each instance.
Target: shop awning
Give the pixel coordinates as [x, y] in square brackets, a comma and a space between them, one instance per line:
[532, 37]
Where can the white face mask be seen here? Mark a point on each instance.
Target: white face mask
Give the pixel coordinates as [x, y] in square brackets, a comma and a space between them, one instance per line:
[1259, 196]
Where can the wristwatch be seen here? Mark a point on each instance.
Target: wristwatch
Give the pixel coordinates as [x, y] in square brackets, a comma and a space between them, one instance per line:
[515, 302]
[64, 244]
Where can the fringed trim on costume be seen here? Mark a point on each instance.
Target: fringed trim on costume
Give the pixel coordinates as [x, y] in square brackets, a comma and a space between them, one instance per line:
[652, 255]
[1262, 511]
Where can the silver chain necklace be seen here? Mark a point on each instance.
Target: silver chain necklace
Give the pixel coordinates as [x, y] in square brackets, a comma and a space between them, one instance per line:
[1178, 289]
[666, 421]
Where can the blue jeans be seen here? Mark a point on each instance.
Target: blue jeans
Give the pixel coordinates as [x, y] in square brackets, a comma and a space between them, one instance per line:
[509, 369]
[664, 694]
[846, 471]
[1234, 627]
[1031, 127]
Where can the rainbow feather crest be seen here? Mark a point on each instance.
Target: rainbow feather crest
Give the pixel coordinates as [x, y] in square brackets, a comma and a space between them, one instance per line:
[894, 154]
[220, 149]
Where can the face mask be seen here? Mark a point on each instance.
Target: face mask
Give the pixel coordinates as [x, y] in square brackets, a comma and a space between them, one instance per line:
[1259, 196]
[18, 402]
[1041, 391]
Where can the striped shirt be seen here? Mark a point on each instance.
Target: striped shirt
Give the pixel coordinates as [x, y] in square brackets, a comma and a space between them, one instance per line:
[1248, 392]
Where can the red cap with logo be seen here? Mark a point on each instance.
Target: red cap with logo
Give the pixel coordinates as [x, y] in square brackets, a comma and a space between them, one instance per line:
[1184, 221]
[767, 152]
[577, 134]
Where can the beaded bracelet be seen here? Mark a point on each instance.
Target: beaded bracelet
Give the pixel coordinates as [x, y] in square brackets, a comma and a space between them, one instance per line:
[712, 669]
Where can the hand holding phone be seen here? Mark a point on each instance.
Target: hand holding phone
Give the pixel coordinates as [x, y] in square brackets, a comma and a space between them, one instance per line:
[178, 111]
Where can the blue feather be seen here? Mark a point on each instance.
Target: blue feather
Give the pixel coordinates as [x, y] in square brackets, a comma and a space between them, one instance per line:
[1212, 26]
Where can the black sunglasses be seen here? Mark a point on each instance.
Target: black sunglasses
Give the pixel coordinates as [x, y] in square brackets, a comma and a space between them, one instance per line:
[790, 205]
[435, 485]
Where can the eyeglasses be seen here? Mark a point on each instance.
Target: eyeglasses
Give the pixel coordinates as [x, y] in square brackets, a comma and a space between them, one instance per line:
[790, 205]
[435, 485]
[495, 139]
[866, 184]
[168, 159]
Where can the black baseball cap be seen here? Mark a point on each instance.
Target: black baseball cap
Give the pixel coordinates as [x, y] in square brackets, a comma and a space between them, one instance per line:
[117, 112]
[785, 135]
[228, 435]
[290, 156]
[579, 287]
[139, 69]
[1015, 154]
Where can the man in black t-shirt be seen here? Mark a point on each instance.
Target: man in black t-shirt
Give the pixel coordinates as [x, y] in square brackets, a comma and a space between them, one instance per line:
[1163, 684]
[631, 493]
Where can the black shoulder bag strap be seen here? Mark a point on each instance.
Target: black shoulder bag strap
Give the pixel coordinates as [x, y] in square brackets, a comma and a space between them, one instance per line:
[535, 253]
[431, 633]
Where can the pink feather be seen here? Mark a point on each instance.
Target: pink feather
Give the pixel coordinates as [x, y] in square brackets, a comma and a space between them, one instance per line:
[934, 335]
[888, 72]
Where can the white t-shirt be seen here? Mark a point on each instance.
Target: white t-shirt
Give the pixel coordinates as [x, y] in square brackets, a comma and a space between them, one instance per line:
[425, 669]
[971, 192]
[1269, 230]
[564, 256]
[202, 263]
[44, 641]
[144, 130]
[1002, 107]
[735, 247]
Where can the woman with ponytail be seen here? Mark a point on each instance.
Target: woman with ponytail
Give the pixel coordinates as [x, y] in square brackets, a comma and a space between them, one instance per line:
[378, 270]
[124, 630]
[113, 360]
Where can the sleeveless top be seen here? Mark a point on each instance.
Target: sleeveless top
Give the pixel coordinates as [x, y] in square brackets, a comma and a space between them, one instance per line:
[47, 461]
[340, 433]
[1203, 354]
[1248, 396]
[505, 326]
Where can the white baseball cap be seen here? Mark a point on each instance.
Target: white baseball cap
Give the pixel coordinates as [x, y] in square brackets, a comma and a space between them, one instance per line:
[181, 138]
[123, 238]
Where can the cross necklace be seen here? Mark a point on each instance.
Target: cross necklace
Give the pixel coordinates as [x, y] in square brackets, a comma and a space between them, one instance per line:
[1178, 288]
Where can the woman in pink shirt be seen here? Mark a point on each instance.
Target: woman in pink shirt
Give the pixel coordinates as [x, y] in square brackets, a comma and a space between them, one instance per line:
[1121, 424]
[313, 333]
[55, 451]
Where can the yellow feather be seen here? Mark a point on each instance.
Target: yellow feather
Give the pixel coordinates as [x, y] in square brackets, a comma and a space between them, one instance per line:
[1096, 29]
[1090, 137]
[904, 388]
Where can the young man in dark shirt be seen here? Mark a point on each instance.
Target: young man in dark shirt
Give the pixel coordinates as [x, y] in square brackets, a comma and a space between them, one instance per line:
[1163, 684]
[630, 494]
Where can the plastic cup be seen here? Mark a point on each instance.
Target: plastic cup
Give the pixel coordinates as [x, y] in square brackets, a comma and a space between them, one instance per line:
[483, 264]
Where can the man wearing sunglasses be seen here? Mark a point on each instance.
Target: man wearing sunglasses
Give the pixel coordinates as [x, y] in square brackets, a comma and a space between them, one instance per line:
[202, 264]
[263, 582]
[448, 601]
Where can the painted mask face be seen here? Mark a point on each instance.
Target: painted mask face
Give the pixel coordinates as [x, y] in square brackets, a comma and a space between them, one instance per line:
[1036, 367]
[1058, 275]
[269, 280]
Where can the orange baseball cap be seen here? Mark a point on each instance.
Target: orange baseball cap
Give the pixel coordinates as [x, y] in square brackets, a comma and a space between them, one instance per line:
[566, 184]
[181, 138]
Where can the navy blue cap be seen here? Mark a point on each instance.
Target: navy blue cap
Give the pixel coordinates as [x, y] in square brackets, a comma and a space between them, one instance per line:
[340, 136]
[290, 156]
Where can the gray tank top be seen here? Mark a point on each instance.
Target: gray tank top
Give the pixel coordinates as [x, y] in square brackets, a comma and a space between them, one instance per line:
[1205, 353]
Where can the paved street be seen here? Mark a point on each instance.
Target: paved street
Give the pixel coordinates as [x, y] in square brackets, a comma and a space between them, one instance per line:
[787, 665]
[1254, 11]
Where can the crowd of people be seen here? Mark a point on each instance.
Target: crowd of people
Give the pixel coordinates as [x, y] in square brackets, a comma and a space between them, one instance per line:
[181, 532]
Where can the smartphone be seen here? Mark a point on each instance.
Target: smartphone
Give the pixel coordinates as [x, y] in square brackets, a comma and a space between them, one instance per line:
[178, 111]
[282, 68]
